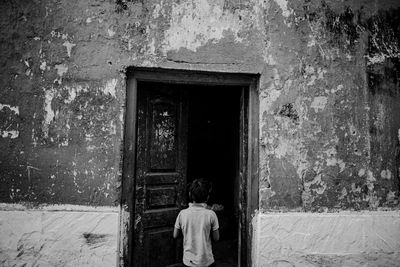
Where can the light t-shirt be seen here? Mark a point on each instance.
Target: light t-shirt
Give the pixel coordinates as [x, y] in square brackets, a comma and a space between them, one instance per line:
[196, 223]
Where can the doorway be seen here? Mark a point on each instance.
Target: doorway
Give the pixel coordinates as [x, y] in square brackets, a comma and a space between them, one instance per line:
[213, 154]
[182, 125]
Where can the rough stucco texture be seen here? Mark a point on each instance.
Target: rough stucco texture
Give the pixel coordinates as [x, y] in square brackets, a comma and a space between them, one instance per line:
[328, 93]
[329, 136]
[58, 238]
[358, 239]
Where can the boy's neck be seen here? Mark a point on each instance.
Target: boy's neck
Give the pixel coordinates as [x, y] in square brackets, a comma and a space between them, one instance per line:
[199, 204]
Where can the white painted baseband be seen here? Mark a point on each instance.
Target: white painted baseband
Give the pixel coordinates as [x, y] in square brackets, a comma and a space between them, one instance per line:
[58, 236]
[45, 207]
[86, 236]
[327, 239]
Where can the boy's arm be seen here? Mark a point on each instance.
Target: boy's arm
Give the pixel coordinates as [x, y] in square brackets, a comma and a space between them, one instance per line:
[176, 232]
[215, 227]
[177, 227]
[215, 235]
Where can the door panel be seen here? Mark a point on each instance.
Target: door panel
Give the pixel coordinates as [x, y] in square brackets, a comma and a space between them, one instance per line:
[160, 172]
[162, 143]
[158, 246]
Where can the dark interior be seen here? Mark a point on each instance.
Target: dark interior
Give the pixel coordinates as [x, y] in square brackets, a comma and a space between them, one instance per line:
[213, 153]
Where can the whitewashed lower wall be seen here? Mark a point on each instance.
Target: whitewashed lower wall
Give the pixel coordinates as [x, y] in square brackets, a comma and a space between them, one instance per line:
[327, 239]
[75, 236]
[58, 237]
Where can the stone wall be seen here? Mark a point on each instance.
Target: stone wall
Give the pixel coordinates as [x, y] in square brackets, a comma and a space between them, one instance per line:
[328, 91]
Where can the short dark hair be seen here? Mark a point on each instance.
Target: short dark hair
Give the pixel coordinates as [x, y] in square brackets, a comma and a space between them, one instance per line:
[199, 190]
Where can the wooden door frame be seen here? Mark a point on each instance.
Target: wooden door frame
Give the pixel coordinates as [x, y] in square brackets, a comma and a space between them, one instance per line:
[250, 177]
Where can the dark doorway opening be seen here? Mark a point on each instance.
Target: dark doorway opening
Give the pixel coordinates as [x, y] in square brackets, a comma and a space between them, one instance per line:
[154, 188]
[213, 153]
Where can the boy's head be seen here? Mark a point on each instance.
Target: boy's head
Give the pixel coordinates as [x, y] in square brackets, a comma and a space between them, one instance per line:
[199, 190]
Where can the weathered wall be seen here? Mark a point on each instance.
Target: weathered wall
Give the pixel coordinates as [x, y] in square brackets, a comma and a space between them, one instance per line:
[329, 94]
[328, 239]
[61, 109]
[58, 236]
[330, 137]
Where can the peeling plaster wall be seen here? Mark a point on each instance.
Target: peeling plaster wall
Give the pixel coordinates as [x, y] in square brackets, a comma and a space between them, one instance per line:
[61, 138]
[329, 95]
[325, 153]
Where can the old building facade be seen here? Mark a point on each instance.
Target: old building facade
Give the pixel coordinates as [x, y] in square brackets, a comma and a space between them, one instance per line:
[317, 87]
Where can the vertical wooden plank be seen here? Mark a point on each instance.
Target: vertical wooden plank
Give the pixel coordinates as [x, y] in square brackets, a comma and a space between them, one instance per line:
[253, 182]
[243, 154]
[182, 164]
[143, 119]
[253, 162]
[182, 146]
[127, 183]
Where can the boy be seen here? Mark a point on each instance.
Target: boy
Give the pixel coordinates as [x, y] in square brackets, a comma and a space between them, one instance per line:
[197, 224]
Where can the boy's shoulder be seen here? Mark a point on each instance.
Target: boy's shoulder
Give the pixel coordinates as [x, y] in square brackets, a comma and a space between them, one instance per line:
[184, 210]
[206, 210]
[203, 208]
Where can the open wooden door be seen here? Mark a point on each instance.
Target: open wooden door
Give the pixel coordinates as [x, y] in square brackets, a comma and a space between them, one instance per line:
[155, 162]
[160, 184]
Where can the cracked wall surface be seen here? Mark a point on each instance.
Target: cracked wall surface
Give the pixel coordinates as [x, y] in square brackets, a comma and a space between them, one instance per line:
[329, 155]
[329, 94]
[328, 239]
[38, 238]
